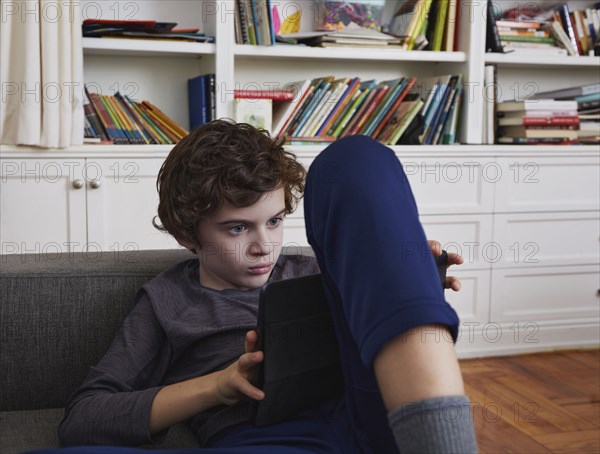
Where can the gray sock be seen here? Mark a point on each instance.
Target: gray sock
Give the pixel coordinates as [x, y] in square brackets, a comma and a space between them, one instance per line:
[436, 425]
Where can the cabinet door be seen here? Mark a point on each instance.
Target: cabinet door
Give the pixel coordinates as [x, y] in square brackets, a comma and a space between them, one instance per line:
[42, 206]
[122, 201]
[545, 293]
[548, 184]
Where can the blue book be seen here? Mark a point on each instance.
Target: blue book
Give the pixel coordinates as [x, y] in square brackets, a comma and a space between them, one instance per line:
[314, 102]
[197, 101]
[588, 98]
[439, 107]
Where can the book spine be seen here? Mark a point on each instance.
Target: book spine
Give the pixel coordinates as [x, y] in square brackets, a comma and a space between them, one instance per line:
[556, 121]
[565, 18]
[275, 95]
[396, 104]
[339, 107]
[358, 102]
[366, 117]
[526, 39]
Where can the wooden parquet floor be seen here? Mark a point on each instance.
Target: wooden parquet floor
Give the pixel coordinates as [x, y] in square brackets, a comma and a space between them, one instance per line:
[538, 403]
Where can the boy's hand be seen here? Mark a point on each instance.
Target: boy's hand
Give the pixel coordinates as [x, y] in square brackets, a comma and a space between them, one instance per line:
[453, 259]
[234, 382]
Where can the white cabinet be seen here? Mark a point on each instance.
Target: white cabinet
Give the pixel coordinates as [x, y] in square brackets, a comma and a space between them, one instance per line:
[42, 205]
[122, 201]
[74, 205]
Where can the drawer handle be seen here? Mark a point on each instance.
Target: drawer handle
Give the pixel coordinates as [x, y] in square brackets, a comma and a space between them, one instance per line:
[95, 184]
[77, 184]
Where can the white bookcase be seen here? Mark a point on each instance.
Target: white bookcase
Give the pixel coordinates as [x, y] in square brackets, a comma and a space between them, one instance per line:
[543, 197]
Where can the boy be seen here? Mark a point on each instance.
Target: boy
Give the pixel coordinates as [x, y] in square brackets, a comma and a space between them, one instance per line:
[224, 191]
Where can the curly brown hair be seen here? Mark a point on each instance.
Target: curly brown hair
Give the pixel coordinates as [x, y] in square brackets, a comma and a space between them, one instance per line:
[223, 161]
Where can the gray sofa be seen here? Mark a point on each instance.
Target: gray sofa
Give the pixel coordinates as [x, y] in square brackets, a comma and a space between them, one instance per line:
[58, 315]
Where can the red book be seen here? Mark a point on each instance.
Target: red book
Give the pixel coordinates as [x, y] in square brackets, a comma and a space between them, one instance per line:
[550, 121]
[275, 95]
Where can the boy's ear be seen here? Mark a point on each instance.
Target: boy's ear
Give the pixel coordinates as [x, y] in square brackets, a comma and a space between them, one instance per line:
[187, 244]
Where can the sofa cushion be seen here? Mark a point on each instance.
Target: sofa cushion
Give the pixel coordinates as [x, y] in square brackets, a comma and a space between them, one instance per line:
[22, 431]
[58, 315]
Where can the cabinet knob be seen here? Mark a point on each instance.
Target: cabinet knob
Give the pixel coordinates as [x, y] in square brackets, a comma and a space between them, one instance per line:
[95, 184]
[77, 184]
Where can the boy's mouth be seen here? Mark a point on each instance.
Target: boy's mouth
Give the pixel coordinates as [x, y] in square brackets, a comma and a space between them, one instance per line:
[261, 269]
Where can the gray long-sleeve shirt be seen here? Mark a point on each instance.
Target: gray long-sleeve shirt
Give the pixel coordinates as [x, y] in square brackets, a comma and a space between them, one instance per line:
[177, 330]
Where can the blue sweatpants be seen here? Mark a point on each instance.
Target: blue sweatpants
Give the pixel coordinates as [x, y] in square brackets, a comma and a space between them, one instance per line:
[378, 270]
[381, 281]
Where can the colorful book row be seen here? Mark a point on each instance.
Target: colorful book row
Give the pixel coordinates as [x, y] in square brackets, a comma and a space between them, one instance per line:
[327, 109]
[119, 120]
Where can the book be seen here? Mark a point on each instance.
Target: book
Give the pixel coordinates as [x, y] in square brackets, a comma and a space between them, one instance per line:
[366, 89]
[327, 126]
[440, 24]
[275, 95]
[542, 133]
[198, 103]
[285, 111]
[449, 42]
[411, 111]
[534, 104]
[565, 17]
[395, 87]
[407, 87]
[255, 112]
[540, 121]
[570, 92]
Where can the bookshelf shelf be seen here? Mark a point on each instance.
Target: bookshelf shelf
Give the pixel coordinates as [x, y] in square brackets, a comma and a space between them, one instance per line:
[134, 47]
[532, 60]
[294, 51]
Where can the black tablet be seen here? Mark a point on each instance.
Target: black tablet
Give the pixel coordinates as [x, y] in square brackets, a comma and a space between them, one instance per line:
[301, 365]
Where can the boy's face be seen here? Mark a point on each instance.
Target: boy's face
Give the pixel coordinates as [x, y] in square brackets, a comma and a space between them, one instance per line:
[240, 246]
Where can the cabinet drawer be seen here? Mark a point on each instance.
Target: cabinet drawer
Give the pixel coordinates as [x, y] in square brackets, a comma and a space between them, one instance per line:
[552, 293]
[548, 184]
[451, 186]
[546, 239]
[467, 235]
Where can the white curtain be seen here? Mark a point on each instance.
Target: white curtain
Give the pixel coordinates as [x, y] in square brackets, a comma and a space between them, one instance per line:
[41, 72]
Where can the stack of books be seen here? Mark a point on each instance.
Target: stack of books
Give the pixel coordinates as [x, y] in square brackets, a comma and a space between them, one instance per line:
[141, 29]
[401, 110]
[119, 120]
[426, 24]
[536, 121]
[587, 98]
[528, 38]
[547, 30]
[353, 35]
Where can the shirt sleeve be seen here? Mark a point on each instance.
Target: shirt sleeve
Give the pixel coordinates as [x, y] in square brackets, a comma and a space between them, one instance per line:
[112, 406]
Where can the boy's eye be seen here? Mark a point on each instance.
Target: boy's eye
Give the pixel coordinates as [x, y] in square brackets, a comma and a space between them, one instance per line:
[275, 221]
[237, 228]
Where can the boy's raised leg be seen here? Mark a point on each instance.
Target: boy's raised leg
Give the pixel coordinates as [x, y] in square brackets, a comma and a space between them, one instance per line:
[395, 329]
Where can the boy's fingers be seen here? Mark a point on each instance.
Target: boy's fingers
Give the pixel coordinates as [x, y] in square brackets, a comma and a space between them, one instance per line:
[453, 283]
[245, 387]
[251, 359]
[435, 246]
[250, 342]
[454, 259]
